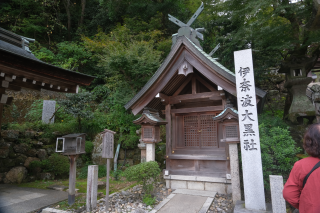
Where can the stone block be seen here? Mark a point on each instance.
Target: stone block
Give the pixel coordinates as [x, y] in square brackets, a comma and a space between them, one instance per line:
[10, 135]
[4, 153]
[229, 189]
[12, 154]
[21, 148]
[101, 185]
[168, 186]
[2, 176]
[178, 184]
[48, 110]
[45, 141]
[29, 160]
[195, 185]
[128, 162]
[46, 176]
[31, 153]
[121, 155]
[216, 187]
[276, 186]
[8, 162]
[150, 152]
[130, 154]
[4, 145]
[42, 154]
[16, 175]
[19, 161]
[57, 187]
[29, 134]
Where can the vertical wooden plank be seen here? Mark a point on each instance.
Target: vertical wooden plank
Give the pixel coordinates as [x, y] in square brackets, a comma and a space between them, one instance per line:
[72, 179]
[107, 185]
[1, 111]
[196, 165]
[194, 85]
[168, 129]
[174, 129]
[92, 188]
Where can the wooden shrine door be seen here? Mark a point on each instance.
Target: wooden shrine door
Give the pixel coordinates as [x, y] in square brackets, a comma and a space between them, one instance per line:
[196, 131]
[199, 131]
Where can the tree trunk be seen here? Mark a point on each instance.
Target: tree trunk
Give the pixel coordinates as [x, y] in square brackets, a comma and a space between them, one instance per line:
[67, 6]
[83, 5]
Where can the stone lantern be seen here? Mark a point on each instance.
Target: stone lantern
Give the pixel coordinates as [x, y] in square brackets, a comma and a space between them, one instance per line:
[296, 83]
[313, 93]
[150, 122]
[229, 137]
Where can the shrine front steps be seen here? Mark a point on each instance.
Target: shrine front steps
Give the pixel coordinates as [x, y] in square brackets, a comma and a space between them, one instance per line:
[214, 182]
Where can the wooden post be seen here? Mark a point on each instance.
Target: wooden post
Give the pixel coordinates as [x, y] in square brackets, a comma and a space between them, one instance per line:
[107, 186]
[1, 112]
[92, 188]
[72, 179]
[168, 129]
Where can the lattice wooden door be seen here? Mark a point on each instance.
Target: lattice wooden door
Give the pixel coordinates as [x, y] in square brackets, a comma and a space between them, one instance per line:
[200, 131]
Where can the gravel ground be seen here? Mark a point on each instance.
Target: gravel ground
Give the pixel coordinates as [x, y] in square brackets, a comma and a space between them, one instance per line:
[222, 203]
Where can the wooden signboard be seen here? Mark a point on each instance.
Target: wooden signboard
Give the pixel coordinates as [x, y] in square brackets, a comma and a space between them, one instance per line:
[108, 144]
[107, 152]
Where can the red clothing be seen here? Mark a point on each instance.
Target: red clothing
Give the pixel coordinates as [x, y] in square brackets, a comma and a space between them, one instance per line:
[307, 200]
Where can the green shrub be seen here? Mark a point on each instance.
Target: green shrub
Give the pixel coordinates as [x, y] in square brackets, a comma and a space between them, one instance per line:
[117, 174]
[102, 171]
[146, 172]
[148, 200]
[278, 152]
[57, 164]
[87, 158]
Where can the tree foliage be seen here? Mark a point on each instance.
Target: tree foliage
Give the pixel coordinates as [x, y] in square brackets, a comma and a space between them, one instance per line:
[78, 105]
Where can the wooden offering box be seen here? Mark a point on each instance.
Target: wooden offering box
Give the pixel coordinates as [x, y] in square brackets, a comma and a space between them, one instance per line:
[72, 144]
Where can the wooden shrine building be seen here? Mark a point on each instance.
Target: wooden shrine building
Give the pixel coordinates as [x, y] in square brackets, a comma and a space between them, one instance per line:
[19, 68]
[188, 90]
[196, 96]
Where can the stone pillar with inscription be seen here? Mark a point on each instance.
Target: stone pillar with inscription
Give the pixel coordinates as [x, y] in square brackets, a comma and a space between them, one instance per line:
[48, 110]
[249, 131]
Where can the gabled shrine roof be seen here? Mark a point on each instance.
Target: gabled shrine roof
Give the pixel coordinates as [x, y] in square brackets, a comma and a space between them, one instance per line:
[151, 116]
[204, 57]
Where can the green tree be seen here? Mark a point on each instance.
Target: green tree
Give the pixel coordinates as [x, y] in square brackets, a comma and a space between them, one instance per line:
[78, 105]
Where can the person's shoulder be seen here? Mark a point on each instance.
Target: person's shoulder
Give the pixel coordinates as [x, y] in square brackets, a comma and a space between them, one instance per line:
[307, 160]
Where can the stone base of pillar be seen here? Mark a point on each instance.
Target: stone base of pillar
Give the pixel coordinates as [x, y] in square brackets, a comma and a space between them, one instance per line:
[150, 152]
[234, 166]
[143, 155]
[142, 147]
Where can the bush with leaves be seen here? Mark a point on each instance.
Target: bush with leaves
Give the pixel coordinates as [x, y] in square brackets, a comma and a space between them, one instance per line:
[102, 171]
[147, 173]
[278, 152]
[56, 163]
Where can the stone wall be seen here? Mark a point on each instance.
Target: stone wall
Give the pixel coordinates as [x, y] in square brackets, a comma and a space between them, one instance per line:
[18, 150]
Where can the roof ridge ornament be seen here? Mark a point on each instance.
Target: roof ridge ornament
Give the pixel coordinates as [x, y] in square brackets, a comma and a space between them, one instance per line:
[186, 30]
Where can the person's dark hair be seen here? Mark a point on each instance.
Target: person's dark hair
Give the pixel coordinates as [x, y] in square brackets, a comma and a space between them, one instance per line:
[311, 140]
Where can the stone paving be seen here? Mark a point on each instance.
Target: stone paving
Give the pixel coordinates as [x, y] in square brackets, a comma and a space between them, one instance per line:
[22, 200]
